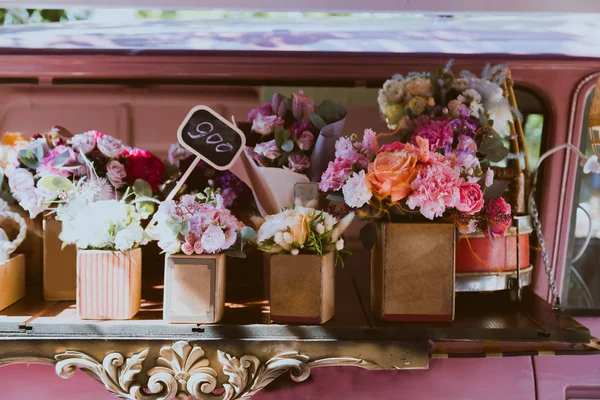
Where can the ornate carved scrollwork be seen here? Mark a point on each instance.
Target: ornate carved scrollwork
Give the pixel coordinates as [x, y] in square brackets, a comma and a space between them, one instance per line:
[182, 371]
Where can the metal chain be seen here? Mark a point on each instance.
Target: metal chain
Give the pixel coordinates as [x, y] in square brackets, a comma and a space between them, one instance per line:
[537, 224]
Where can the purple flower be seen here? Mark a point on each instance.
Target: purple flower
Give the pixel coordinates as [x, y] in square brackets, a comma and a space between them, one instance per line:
[466, 145]
[268, 149]
[264, 110]
[464, 126]
[438, 133]
[299, 162]
[305, 140]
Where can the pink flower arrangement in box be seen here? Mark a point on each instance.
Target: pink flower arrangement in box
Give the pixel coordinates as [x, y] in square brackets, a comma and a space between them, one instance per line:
[200, 224]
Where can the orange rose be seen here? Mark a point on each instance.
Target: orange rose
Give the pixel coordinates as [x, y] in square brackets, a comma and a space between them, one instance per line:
[392, 173]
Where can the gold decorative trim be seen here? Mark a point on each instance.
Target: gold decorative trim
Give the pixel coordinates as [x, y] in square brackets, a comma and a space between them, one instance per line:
[183, 370]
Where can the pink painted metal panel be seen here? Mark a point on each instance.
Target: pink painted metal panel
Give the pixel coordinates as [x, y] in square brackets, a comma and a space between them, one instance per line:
[452, 379]
[569, 377]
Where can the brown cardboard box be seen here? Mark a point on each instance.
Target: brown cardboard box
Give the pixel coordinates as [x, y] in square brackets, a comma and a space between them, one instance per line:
[412, 272]
[302, 288]
[60, 265]
[194, 288]
[12, 280]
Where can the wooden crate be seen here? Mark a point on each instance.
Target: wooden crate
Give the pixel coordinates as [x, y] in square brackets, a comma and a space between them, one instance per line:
[12, 280]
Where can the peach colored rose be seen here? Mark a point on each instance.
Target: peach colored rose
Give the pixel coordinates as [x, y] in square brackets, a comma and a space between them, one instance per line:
[392, 173]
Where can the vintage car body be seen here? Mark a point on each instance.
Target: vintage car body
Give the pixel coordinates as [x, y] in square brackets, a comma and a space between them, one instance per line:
[136, 81]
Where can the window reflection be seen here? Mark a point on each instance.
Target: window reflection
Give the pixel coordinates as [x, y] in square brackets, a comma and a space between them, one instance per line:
[583, 276]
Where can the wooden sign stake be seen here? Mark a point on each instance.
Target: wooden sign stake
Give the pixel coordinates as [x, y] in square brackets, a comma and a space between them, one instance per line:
[212, 136]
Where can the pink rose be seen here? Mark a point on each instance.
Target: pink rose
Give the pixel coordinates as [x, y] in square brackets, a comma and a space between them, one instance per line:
[498, 218]
[302, 106]
[471, 198]
[268, 149]
[198, 249]
[265, 125]
[110, 146]
[177, 153]
[299, 162]
[48, 165]
[32, 200]
[213, 239]
[20, 180]
[115, 172]
[84, 142]
[335, 175]
[187, 248]
[305, 140]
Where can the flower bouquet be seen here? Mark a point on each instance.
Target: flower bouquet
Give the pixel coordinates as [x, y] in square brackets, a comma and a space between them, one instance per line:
[294, 140]
[204, 230]
[60, 154]
[304, 244]
[107, 234]
[11, 143]
[437, 169]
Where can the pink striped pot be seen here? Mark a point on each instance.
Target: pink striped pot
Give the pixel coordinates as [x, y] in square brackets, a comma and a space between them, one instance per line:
[109, 283]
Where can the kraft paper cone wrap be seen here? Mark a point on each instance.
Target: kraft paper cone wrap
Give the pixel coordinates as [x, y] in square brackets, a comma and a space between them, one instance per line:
[273, 188]
[325, 147]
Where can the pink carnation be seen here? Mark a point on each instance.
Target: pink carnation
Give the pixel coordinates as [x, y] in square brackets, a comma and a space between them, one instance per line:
[264, 110]
[369, 143]
[435, 189]
[439, 134]
[335, 175]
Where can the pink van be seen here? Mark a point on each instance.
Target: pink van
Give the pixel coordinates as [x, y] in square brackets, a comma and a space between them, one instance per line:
[138, 80]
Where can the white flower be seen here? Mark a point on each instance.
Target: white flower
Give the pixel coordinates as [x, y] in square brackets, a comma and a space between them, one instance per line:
[110, 146]
[84, 142]
[357, 190]
[320, 228]
[20, 180]
[339, 245]
[32, 200]
[128, 237]
[213, 239]
[115, 172]
[489, 177]
[591, 165]
[288, 238]
[267, 149]
[295, 252]
[472, 97]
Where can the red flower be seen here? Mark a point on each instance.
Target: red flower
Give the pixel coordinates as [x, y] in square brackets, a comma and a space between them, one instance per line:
[496, 218]
[141, 164]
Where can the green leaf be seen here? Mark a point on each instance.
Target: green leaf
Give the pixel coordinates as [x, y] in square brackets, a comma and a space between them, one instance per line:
[248, 234]
[146, 207]
[492, 147]
[335, 196]
[185, 228]
[61, 159]
[141, 188]
[279, 135]
[283, 160]
[39, 152]
[329, 111]
[368, 236]
[288, 146]
[317, 121]
[55, 183]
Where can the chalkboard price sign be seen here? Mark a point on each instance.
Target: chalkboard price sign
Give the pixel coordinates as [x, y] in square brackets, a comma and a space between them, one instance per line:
[211, 137]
